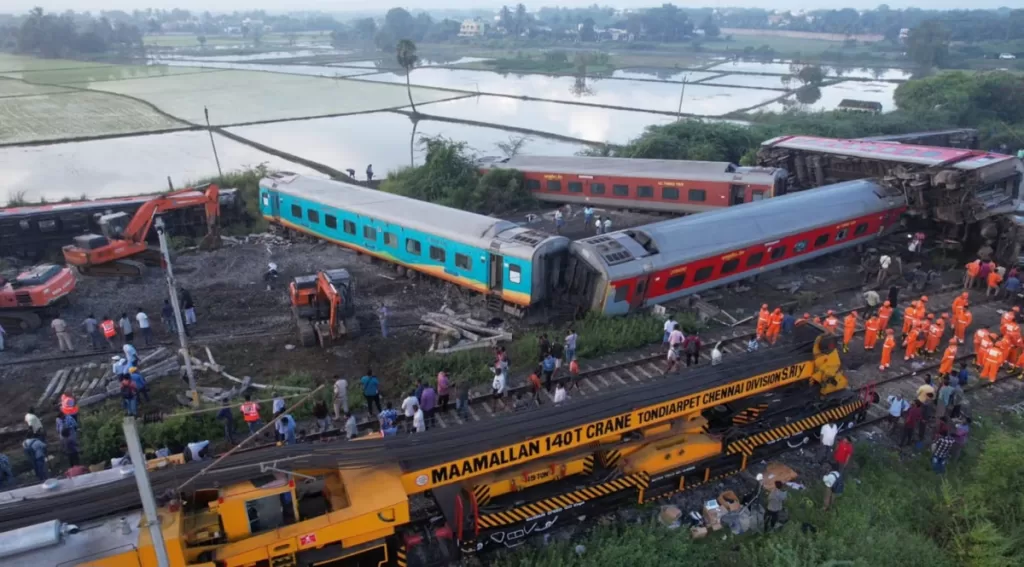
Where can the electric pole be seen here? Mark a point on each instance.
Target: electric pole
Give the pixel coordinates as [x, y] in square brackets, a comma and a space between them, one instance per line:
[172, 288]
[209, 131]
[682, 91]
[131, 438]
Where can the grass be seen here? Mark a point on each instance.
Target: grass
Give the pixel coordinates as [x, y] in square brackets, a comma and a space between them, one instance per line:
[10, 62]
[267, 40]
[13, 87]
[100, 73]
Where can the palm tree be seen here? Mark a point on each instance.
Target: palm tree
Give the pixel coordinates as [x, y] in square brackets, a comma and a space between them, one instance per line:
[407, 58]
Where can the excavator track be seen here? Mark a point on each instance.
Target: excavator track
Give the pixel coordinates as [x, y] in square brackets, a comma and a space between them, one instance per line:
[20, 321]
[115, 269]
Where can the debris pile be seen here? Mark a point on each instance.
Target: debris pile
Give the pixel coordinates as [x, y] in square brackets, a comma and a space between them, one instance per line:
[455, 332]
[214, 394]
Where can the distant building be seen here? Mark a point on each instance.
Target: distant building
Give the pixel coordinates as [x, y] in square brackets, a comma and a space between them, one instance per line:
[472, 28]
[854, 105]
[904, 34]
[1007, 56]
[617, 34]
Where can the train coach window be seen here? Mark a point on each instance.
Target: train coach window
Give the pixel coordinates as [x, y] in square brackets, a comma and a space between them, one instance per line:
[312, 215]
[412, 246]
[703, 273]
[349, 227]
[755, 259]
[821, 240]
[390, 240]
[369, 233]
[297, 211]
[437, 254]
[331, 221]
[515, 273]
[554, 185]
[675, 282]
[841, 235]
[462, 261]
[621, 293]
[575, 187]
[779, 252]
[730, 266]
[670, 194]
[533, 185]
[620, 190]
[800, 246]
[696, 195]
[861, 229]
[597, 188]
[757, 196]
[645, 191]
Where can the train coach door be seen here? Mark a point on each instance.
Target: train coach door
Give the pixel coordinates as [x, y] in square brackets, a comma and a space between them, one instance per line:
[639, 294]
[496, 278]
[737, 195]
[275, 205]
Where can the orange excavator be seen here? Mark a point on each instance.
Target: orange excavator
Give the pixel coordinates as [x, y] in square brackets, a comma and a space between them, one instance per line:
[33, 293]
[122, 249]
[323, 307]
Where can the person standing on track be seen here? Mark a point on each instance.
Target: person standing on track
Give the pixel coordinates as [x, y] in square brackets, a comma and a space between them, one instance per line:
[960, 303]
[92, 330]
[973, 269]
[60, 329]
[987, 340]
[127, 332]
[849, 328]
[251, 414]
[692, 346]
[788, 322]
[948, 358]
[570, 345]
[934, 331]
[961, 322]
[443, 390]
[340, 397]
[913, 342]
[548, 366]
[588, 216]
[831, 323]
[669, 326]
[144, 328]
[676, 338]
[763, 317]
[871, 328]
[887, 348]
[371, 391]
[884, 315]
[774, 325]
[672, 359]
[909, 318]
[994, 359]
[1008, 317]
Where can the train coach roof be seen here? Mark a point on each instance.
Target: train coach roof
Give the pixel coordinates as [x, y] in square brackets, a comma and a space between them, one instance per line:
[888, 151]
[725, 230]
[623, 167]
[456, 224]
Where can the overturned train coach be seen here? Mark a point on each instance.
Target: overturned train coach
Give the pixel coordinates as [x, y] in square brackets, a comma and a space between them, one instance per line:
[630, 269]
[425, 501]
[518, 268]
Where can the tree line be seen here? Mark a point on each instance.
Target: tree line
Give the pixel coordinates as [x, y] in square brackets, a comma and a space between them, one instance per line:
[51, 35]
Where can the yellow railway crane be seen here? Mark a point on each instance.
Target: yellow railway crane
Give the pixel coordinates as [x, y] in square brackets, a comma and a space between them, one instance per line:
[425, 499]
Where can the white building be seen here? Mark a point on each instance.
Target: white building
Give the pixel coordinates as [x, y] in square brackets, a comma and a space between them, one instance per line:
[472, 28]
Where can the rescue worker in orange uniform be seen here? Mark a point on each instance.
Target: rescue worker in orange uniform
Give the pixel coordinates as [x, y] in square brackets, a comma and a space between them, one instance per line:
[775, 325]
[909, 317]
[948, 358]
[884, 314]
[934, 335]
[922, 308]
[960, 324]
[1004, 345]
[849, 328]
[1007, 318]
[1012, 336]
[251, 414]
[971, 274]
[993, 360]
[831, 322]
[960, 303]
[1020, 365]
[68, 405]
[803, 320]
[762, 321]
[887, 347]
[987, 341]
[979, 336]
[871, 328]
[913, 342]
[994, 279]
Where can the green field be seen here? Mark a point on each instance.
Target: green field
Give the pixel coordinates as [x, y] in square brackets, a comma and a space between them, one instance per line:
[100, 73]
[235, 97]
[12, 87]
[13, 63]
[74, 114]
[190, 40]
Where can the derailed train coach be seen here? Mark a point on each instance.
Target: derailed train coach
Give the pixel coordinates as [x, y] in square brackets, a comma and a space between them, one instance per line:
[631, 269]
[515, 267]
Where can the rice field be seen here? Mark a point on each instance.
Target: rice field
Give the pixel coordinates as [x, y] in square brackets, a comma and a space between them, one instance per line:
[12, 87]
[84, 75]
[235, 97]
[75, 114]
[10, 63]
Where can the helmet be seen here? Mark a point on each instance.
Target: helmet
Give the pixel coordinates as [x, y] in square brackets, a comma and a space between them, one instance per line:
[830, 312]
[889, 331]
[1016, 309]
[924, 298]
[886, 303]
[964, 295]
[132, 369]
[953, 341]
[931, 315]
[764, 306]
[945, 315]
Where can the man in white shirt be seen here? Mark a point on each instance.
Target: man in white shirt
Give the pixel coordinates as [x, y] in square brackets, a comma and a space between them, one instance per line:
[33, 422]
[670, 325]
[497, 389]
[409, 405]
[147, 332]
[278, 406]
[716, 355]
[560, 393]
[351, 427]
[607, 225]
[419, 422]
[897, 407]
[198, 450]
[340, 397]
[883, 268]
[828, 439]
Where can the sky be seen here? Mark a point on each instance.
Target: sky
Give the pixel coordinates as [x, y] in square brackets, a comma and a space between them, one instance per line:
[375, 5]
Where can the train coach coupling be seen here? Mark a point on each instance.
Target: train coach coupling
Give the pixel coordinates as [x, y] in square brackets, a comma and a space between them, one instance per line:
[828, 367]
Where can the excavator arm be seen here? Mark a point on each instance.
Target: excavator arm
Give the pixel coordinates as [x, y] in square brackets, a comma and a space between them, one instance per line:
[140, 224]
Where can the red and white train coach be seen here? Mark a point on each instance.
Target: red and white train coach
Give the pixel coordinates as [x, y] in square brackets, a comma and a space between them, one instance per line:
[630, 269]
[662, 185]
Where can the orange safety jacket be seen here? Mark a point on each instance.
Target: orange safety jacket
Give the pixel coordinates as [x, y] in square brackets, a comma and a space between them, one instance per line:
[68, 405]
[251, 411]
[108, 328]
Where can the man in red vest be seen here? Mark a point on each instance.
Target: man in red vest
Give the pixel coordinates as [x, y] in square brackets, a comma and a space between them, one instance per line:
[109, 330]
[251, 413]
[68, 406]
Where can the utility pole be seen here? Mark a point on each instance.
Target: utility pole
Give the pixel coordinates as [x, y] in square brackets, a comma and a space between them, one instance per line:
[172, 288]
[131, 438]
[209, 131]
[682, 91]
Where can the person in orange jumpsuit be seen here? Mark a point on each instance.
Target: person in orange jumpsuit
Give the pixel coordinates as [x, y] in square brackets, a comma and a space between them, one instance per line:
[884, 314]
[960, 324]
[1005, 345]
[831, 322]
[1007, 318]
[775, 325]
[993, 360]
[987, 342]
[909, 316]
[994, 279]
[849, 328]
[948, 358]
[971, 273]
[922, 308]
[1020, 364]
[1012, 336]
[979, 336]
[887, 347]
[931, 343]
[912, 342]
[762, 321]
[871, 328]
[960, 303]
